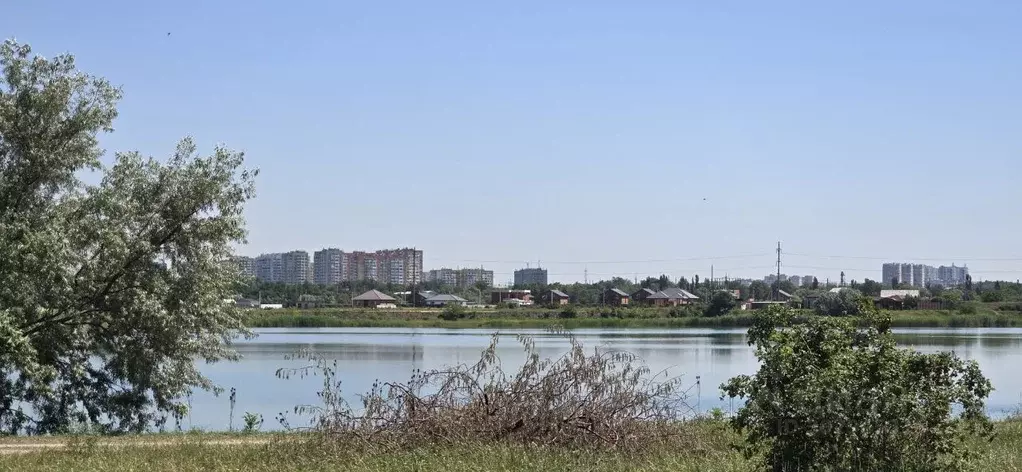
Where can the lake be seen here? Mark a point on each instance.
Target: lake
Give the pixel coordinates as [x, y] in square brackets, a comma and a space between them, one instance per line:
[365, 355]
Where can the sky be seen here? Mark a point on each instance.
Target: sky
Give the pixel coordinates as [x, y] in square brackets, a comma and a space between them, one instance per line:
[592, 137]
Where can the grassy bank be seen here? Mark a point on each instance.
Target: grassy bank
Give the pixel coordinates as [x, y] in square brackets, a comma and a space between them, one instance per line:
[707, 449]
[585, 318]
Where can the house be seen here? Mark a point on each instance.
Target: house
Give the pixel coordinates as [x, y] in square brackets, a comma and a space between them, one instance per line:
[734, 293]
[246, 303]
[894, 299]
[671, 297]
[374, 299]
[556, 297]
[616, 297]
[445, 300]
[899, 293]
[642, 294]
[308, 302]
[523, 297]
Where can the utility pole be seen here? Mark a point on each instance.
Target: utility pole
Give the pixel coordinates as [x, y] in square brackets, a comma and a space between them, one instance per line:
[777, 288]
[713, 281]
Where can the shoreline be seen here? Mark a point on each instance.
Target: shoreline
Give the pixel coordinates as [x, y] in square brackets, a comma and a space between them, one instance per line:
[538, 319]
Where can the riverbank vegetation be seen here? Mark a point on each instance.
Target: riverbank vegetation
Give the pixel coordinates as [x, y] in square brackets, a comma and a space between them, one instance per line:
[970, 316]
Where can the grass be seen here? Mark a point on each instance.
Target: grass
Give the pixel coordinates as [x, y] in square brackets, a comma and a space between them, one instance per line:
[981, 316]
[710, 451]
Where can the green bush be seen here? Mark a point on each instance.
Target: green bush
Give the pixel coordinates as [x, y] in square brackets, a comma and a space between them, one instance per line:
[847, 302]
[453, 312]
[720, 304]
[568, 312]
[829, 396]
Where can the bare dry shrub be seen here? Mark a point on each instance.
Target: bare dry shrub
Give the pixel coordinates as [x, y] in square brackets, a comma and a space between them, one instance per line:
[602, 399]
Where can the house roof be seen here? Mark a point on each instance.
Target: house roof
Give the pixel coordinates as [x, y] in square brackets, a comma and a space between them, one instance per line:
[445, 298]
[558, 293]
[675, 293]
[374, 296]
[619, 292]
[783, 293]
[644, 290]
[838, 289]
[659, 296]
[899, 293]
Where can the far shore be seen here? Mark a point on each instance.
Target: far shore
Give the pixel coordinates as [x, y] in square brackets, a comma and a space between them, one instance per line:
[582, 317]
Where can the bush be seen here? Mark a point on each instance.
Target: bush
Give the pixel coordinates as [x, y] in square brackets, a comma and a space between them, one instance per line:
[606, 399]
[830, 396]
[720, 304]
[684, 311]
[453, 312]
[847, 302]
[992, 297]
[568, 312]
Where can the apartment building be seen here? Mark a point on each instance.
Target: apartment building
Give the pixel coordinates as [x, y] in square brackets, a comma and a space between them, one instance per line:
[443, 276]
[921, 275]
[330, 266]
[470, 277]
[535, 276]
[295, 268]
[245, 266]
[268, 267]
[460, 277]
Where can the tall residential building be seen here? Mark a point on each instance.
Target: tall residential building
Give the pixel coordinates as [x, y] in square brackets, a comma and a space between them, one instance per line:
[460, 277]
[921, 275]
[796, 280]
[535, 276]
[470, 277]
[444, 276]
[330, 266]
[245, 265]
[396, 272]
[807, 280]
[294, 267]
[952, 275]
[268, 267]
[891, 271]
[408, 269]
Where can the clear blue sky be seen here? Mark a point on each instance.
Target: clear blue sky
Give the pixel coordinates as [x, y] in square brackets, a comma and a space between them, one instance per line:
[576, 131]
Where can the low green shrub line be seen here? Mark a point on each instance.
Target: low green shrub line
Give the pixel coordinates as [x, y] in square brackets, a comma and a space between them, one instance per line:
[313, 319]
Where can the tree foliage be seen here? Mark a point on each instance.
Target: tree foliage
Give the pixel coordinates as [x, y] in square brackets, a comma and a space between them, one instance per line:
[846, 302]
[108, 292]
[721, 303]
[832, 396]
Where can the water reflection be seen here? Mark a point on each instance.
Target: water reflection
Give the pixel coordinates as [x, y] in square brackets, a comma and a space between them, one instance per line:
[370, 354]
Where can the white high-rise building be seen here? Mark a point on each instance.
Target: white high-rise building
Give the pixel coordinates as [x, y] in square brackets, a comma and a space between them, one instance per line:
[330, 266]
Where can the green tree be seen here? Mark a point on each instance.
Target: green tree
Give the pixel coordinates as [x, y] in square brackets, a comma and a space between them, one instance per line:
[846, 302]
[816, 283]
[109, 292]
[721, 303]
[870, 288]
[759, 290]
[833, 395]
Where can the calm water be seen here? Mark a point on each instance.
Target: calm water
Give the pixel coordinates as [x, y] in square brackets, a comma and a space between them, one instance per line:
[390, 354]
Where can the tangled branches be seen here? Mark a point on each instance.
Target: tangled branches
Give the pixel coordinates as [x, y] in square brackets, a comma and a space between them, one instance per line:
[603, 399]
